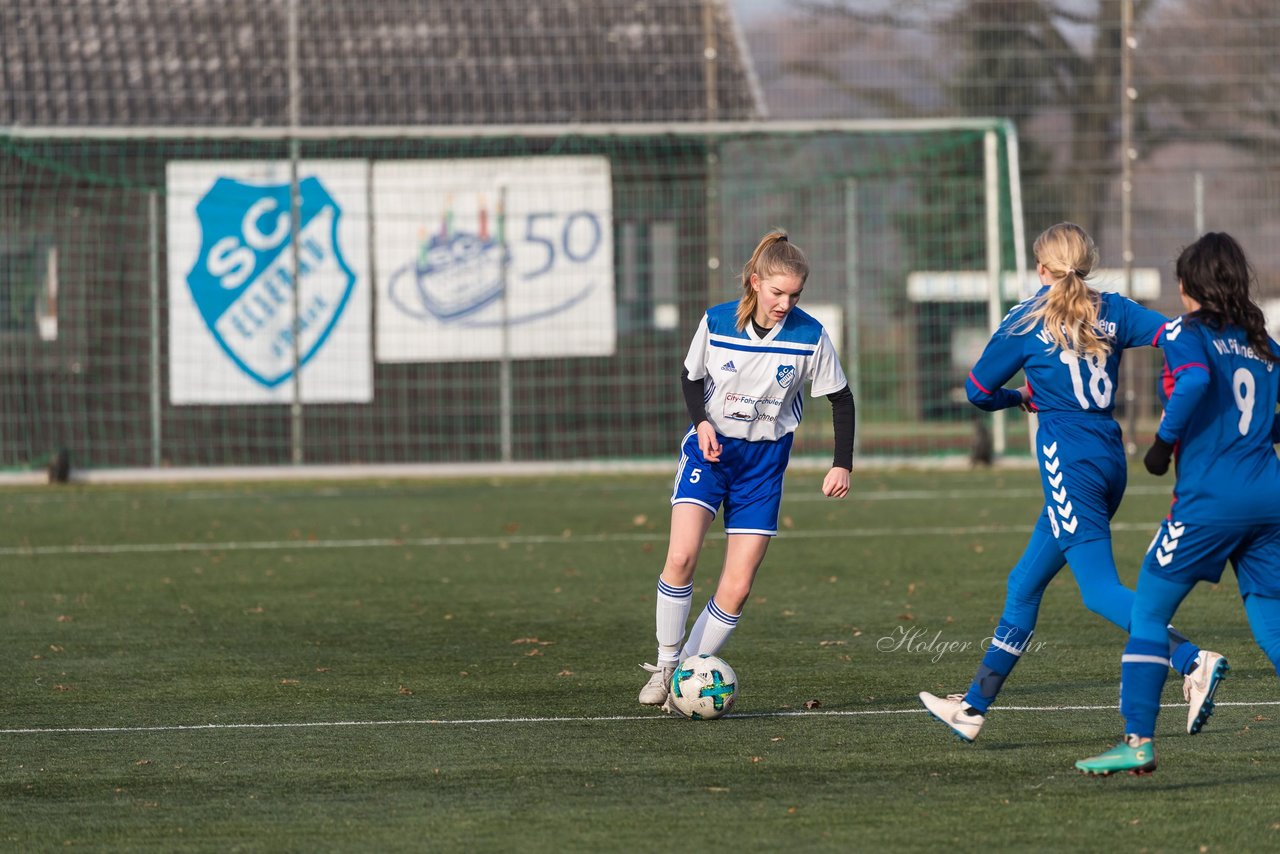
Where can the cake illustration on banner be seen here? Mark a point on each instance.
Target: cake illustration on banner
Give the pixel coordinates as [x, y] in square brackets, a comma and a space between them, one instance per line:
[455, 272]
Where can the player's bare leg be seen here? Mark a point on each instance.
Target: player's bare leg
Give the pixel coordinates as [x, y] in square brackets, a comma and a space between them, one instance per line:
[689, 525]
[743, 555]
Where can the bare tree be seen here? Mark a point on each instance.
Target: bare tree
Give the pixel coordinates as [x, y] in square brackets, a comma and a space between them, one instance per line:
[1052, 66]
[1208, 73]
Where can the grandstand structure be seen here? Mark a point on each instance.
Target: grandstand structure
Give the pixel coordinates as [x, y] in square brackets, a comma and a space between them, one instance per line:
[504, 221]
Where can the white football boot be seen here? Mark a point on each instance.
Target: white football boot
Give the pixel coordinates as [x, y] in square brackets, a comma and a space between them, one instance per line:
[1199, 686]
[655, 691]
[965, 721]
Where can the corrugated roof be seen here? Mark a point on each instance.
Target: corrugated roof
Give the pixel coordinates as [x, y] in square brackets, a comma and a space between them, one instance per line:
[224, 63]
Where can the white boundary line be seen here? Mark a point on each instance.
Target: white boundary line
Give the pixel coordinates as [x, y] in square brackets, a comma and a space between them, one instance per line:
[480, 471]
[320, 492]
[533, 539]
[553, 720]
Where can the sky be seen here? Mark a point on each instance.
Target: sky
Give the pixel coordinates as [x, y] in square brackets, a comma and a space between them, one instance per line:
[746, 10]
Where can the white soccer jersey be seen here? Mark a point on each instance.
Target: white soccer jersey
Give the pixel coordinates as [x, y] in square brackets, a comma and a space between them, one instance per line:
[752, 383]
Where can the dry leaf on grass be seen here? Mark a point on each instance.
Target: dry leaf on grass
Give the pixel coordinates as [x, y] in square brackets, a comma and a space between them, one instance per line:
[812, 704]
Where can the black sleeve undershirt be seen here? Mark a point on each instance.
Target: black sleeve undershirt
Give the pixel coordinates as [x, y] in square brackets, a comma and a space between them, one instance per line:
[842, 420]
[694, 400]
[842, 412]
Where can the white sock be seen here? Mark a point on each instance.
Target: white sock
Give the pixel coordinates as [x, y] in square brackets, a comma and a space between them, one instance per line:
[710, 631]
[672, 614]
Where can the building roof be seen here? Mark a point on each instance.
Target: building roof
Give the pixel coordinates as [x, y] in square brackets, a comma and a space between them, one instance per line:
[225, 63]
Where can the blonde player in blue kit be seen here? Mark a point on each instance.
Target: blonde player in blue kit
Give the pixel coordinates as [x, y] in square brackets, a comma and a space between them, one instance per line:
[1067, 339]
[743, 382]
[1221, 418]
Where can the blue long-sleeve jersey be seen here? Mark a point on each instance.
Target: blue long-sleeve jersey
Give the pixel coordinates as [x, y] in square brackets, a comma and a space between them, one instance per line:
[1221, 414]
[1061, 381]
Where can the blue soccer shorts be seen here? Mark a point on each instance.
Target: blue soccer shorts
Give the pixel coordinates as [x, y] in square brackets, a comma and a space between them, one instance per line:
[1083, 471]
[1189, 552]
[747, 482]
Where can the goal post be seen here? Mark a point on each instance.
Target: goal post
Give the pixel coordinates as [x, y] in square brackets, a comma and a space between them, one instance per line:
[466, 295]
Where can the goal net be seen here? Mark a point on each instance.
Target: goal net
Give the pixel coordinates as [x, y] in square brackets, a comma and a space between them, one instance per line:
[474, 295]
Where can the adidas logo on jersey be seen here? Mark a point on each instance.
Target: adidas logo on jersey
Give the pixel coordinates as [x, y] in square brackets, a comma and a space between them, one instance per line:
[728, 367]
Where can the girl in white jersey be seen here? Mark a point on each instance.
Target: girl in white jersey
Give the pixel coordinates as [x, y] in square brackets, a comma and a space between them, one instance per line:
[743, 378]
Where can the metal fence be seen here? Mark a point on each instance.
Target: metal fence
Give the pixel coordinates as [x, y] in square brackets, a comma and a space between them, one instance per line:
[480, 295]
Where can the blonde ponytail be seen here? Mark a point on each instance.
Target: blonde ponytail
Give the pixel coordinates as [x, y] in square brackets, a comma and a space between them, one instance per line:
[1068, 311]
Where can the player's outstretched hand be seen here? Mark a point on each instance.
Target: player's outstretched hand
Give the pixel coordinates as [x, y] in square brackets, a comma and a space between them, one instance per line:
[1158, 456]
[708, 442]
[836, 483]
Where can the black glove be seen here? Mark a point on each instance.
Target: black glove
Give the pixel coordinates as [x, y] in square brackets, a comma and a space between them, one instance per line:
[1158, 456]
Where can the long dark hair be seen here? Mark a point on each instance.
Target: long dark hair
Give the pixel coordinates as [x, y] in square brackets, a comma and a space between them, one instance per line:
[1215, 273]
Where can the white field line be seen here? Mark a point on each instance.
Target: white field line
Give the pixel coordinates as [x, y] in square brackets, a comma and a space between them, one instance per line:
[322, 492]
[105, 730]
[526, 540]
[948, 494]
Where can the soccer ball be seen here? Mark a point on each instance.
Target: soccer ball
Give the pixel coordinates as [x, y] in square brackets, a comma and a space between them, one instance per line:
[703, 687]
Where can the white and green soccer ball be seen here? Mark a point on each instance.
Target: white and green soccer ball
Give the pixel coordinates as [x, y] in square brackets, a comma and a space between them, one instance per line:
[703, 687]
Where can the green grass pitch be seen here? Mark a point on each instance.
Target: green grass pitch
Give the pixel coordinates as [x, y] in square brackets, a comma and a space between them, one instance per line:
[452, 665]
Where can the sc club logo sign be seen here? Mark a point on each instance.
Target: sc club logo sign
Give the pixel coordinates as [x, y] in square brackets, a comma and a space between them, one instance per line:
[242, 280]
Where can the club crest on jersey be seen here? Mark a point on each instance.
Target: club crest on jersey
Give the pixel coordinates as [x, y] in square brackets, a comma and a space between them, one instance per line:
[242, 282]
[786, 375]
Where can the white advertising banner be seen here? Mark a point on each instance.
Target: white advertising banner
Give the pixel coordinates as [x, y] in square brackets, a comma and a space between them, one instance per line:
[462, 279]
[231, 295]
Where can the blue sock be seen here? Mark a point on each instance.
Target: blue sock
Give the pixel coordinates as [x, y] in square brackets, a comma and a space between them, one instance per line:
[1007, 644]
[1264, 619]
[1182, 652]
[1143, 669]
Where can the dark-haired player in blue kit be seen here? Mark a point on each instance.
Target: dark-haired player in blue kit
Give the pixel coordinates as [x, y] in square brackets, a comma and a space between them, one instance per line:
[1067, 339]
[1221, 419]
